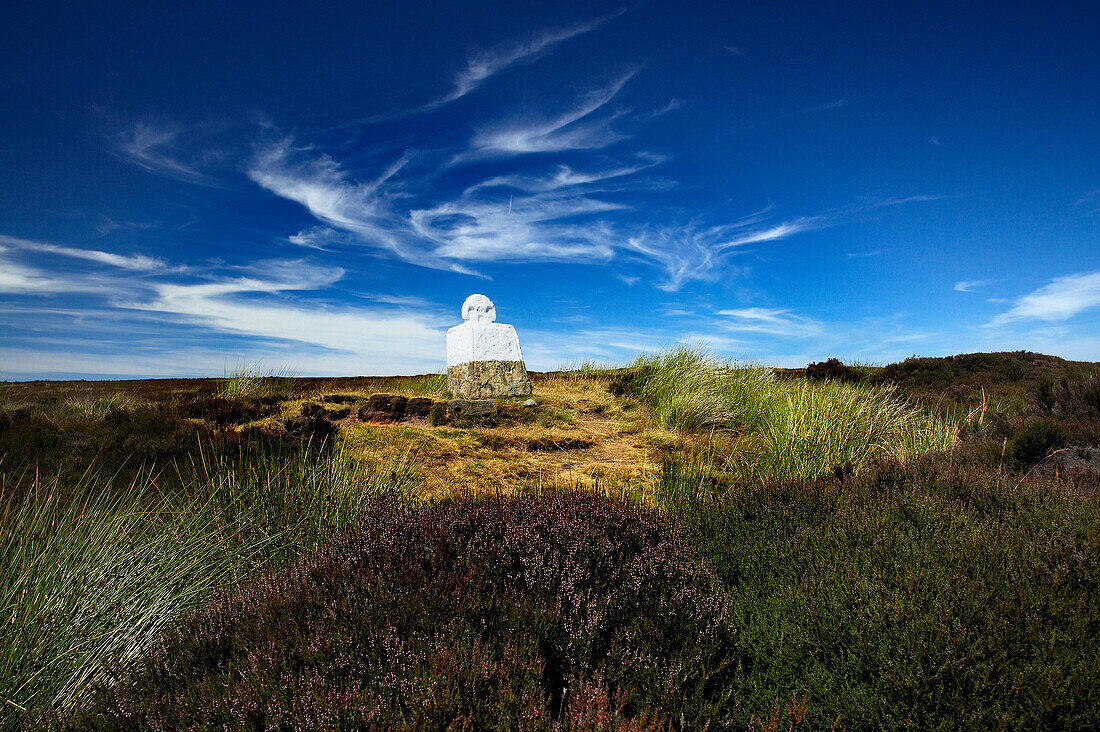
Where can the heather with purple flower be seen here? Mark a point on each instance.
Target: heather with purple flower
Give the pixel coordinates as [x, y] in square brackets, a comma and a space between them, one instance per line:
[551, 612]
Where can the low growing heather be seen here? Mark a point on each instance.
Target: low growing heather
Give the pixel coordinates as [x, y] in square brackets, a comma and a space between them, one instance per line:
[937, 594]
[563, 611]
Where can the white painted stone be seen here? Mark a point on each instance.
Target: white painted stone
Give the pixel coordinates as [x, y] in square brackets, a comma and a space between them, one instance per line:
[480, 338]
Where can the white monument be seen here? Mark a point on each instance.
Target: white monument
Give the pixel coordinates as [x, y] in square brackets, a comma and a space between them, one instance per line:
[483, 356]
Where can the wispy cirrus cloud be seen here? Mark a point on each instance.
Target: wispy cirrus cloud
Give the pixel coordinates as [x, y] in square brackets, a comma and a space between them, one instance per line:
[548, 227]
[576, 129]
[154, 148]
[484, 65]
[549, 186]
[19, 279]
[593, 180]
[697, 252]
[1061, 299]
[835, 104]
[136, 262]
[363, 209]
[515, 217]
[971, 285]
[406, 331]
[770, 321]
[277, 306]
[1090, 201]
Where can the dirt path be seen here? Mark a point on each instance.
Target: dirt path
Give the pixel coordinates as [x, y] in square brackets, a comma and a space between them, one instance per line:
[578, 434]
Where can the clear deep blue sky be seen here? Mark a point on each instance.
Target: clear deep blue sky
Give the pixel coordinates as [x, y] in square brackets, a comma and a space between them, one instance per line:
[186, 187]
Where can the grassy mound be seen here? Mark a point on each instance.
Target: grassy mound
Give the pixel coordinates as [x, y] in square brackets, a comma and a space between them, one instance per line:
[801, 428]
[567, 611]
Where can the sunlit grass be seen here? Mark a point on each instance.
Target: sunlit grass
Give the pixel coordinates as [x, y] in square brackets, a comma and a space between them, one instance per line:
[801, 428]
[88, 406]
[248, 380]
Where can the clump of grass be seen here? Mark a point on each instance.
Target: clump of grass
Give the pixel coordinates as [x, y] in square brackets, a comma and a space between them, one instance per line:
[247, 381]
[812, 427]
[93, 572]
[89, 406]
[805, 428]
[88, 574]
[565, 610]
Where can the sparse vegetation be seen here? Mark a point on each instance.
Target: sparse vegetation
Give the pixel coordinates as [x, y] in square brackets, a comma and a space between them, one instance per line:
[875, 548]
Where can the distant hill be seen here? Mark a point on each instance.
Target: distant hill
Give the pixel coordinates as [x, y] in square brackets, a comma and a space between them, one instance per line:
[962, 377]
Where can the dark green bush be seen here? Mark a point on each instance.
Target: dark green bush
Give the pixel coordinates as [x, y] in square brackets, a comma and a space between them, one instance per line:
[488, 614]
[831, 370]
[1033, 441]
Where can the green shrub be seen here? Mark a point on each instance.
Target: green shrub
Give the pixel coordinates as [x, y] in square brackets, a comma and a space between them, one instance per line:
[1033, 441]
[831, 370]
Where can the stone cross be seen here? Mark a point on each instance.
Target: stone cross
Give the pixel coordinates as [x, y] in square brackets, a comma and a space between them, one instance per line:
[483, 356]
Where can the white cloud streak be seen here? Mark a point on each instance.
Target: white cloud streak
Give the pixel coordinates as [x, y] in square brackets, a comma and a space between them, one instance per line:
[572, 130]
[375, 334]
[274, 305]
[363, 209]
[971, 285]
[152, 148]
[770, 321]
[483, 66]
[692, 252]
[136, 262]
[1059, 300]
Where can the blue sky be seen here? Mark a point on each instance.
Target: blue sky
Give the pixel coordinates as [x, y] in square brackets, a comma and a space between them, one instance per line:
[185, 188]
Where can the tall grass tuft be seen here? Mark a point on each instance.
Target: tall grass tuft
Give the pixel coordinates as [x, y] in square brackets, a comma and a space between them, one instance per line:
[813, 427]
[90, 406]
[93, 572]
[798, 428]
[248, 381]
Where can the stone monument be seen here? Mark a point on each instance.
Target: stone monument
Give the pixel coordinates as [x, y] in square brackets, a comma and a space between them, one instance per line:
[483, 357]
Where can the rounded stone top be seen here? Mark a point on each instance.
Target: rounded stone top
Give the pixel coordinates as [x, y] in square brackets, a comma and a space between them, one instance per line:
[479, 309]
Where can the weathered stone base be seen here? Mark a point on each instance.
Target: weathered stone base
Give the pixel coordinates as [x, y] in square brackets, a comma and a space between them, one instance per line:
[471, 407]
[488, 379]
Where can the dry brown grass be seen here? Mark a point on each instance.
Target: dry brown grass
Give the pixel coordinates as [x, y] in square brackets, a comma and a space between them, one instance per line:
[579, 434]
